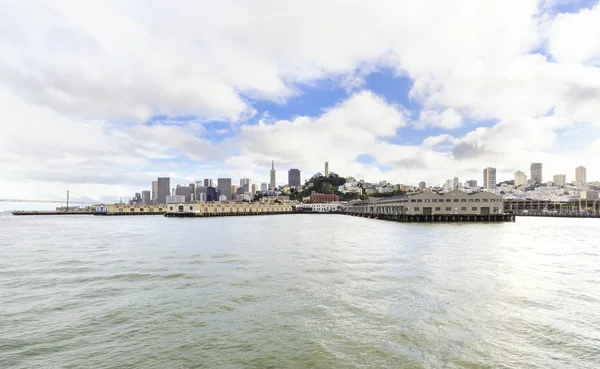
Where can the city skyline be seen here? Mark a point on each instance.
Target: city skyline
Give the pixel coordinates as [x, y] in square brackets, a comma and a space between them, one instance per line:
[103, 118]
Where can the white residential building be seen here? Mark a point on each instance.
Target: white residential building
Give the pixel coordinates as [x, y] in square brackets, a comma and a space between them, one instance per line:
[489, 179]
[536, 172]
[520, 179]
[559, 180]
[580, 175]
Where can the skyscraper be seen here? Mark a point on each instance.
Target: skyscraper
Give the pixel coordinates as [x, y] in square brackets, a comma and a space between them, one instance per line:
[520, 179]
[185, 191]
[489, 179]
[209, 182]
[146, 197]
[326, 169]
[580, 175]
[559, 180]
[234, 190]
[263, 187]
[254, 188]
[224, 187]
[200, 193]
[245, 184]
[273, 183]
[472, 183]
[422, 185]
[163, 189]
[448, 185]
[212, 194]
[155, 191]
[294, 177]
[455, 183]
[536, 172]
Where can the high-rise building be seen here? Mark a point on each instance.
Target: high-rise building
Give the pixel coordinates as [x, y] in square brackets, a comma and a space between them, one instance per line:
[209, 182]
[273, 183]
[155, 191]
[263, 187]
[448, 185]
[234, 189]
[422, 185]
[536, 172]
[472, 183]
[245, 184]
[185, 191]
[146, 199]
[520, 179]
[200, 193]
[489, 179]
[254, 189]
[224, 187]
[581, 175]
[294, 177]
[455, 183]
[212, 194]
[326, 169]
[163, 189]
[559, 180]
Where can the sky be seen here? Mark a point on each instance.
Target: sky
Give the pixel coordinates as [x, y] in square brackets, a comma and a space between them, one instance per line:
[102, 97]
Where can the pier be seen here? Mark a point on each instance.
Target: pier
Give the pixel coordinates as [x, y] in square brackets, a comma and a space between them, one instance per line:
[420, 218]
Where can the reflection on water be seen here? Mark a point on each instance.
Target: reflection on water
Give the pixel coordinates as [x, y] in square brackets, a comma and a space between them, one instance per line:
[298, 291]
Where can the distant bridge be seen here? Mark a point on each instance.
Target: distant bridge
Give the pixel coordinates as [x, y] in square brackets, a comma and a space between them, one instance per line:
[52, 201]
[67, 201]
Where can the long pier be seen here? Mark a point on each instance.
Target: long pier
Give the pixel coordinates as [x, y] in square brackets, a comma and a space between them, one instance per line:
[223, 214]
[557, 215]
[420, 218]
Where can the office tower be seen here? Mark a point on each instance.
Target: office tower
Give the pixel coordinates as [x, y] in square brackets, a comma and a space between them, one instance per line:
[489, 179]
[239, 191]
[146, 199]
[581, 175]
[234, 189]
[422, 185]
[263, 187]
[209, 182]
[254, 188]
[294, 177]
[245, 184]
[164, 189]
[185, 191]
[472, 183]
[224, 187]
[448, 185]
[200, 193]
[559, 180]
[536, 172]
[155, 191]
[455, 183]
[520, 179]
[326, 169]
[273, 183]
[212, 194]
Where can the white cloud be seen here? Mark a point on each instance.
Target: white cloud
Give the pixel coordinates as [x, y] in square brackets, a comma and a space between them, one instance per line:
[575, 38]
[447, 119]
[78, 79]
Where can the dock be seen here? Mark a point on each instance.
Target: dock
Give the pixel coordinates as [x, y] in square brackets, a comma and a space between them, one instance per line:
[420, 218]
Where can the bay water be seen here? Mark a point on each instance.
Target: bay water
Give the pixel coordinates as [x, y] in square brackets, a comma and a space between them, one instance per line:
[297, 291]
